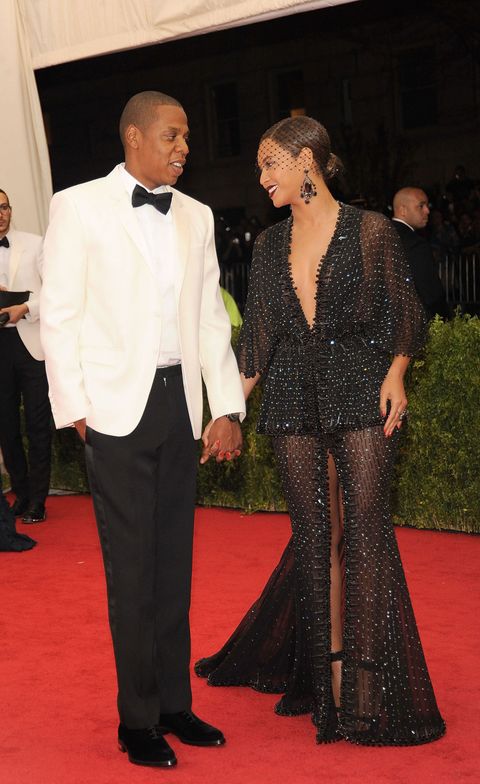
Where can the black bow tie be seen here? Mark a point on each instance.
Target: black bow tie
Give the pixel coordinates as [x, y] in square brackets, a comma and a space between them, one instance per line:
[161, 201]
[5, 243]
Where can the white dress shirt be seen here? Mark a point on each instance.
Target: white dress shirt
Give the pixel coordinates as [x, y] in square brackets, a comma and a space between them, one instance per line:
[159, 236]
[399, 220]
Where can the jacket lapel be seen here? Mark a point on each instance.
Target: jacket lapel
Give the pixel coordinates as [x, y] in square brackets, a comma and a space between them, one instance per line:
[182, 239]
[126, 214]
[15, 254]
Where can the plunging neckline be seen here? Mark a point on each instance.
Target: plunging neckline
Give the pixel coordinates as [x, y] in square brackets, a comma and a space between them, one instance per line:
[311, 327]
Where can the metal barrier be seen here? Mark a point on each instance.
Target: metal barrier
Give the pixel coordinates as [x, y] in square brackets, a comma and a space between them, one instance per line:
[234, 279]
[460, 275]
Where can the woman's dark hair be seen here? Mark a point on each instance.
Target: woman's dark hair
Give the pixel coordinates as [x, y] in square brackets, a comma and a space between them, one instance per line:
[295, 133]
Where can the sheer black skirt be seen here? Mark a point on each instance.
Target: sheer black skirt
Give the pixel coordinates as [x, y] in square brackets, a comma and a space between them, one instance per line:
[283, 644]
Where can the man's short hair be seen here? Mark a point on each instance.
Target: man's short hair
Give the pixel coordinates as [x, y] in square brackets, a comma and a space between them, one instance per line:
[404, 195]
[140, 110]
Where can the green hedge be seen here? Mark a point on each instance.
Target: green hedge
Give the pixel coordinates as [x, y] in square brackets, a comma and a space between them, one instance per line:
[437, 483]
[438, 479]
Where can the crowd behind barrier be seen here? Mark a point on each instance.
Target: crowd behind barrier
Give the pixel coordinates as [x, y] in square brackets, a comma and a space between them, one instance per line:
[460, 276]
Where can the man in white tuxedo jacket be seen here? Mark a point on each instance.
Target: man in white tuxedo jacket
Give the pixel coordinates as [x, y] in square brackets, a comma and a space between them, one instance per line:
[132, 319]
[22, 372]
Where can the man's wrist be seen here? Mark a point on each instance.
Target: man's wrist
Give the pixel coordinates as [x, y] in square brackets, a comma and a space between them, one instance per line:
[233, 417]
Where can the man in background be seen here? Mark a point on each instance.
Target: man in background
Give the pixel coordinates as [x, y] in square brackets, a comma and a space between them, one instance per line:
[22, 372]
[410, 215]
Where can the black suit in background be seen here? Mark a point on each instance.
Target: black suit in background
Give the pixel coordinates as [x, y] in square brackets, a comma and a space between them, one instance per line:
[423, 268]
[10, 540]
[24, 381]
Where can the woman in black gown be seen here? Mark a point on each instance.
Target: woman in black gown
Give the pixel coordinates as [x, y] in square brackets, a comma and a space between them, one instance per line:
[331, 321]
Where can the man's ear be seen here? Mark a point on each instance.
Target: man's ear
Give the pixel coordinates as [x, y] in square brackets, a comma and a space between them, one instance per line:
[131, 136]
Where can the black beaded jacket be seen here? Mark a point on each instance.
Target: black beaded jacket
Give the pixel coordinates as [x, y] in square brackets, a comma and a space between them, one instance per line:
[328, 376]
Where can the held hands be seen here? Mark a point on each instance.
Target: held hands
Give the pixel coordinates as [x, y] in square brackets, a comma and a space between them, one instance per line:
[222, 440]
[393, 390]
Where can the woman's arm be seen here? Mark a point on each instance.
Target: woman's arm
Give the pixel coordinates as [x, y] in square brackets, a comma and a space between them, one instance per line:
[249, 383]
[255, 347]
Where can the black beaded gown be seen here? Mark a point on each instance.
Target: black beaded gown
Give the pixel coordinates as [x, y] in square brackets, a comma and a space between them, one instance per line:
[321, 398]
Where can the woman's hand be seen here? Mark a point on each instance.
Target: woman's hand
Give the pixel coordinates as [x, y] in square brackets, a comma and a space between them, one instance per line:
[393, 391]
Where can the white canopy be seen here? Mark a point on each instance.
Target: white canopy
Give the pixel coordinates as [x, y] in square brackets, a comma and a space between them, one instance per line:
[40, 33]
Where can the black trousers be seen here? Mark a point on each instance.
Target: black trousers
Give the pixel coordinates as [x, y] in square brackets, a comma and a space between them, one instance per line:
[23, 378]
[143, 488]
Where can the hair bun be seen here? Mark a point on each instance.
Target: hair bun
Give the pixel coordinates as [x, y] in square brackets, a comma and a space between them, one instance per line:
[334, 166]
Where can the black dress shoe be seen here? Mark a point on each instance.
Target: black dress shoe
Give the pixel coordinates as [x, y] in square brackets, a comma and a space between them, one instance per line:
[35, 514]
[19, 506]
[146, 747]
[190, 729]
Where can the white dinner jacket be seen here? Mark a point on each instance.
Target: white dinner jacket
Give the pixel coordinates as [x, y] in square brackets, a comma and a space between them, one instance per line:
[101, 311]
[25, 274]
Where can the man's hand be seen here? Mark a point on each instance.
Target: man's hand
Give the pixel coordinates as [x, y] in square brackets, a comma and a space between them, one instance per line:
[80, 427]
[15, 312]
[222, 440]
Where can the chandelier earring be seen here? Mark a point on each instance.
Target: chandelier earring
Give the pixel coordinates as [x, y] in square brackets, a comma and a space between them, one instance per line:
[308, 189]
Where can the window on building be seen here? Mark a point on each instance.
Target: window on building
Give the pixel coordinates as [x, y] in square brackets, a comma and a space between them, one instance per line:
[288, 93]
[418, 87]
[225, 120]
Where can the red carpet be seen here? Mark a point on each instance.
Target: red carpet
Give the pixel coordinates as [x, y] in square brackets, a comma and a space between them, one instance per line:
[57, 688]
